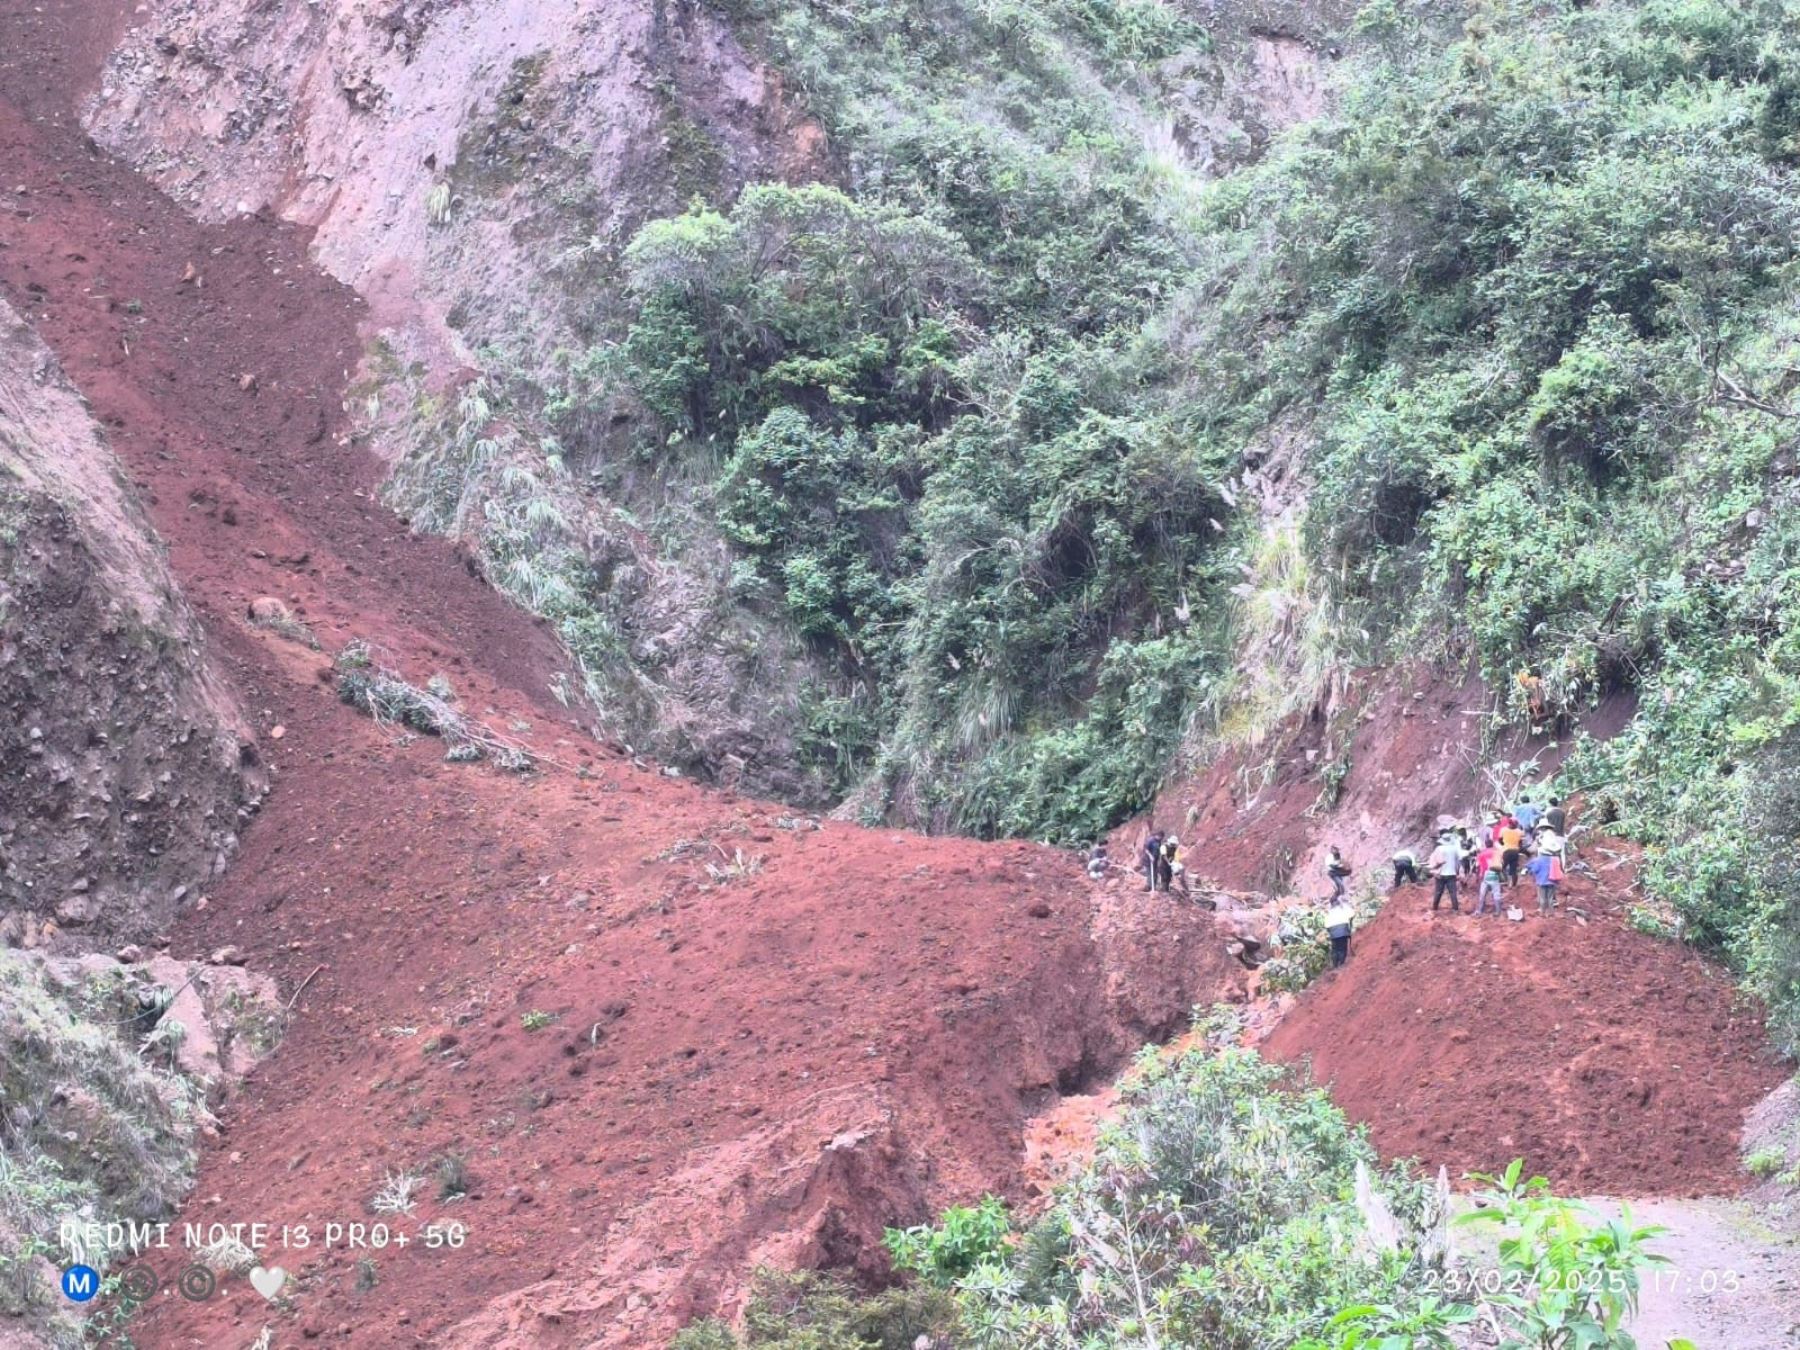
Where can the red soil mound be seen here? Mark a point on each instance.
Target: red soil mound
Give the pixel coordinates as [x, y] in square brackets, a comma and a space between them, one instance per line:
[1610, 1061]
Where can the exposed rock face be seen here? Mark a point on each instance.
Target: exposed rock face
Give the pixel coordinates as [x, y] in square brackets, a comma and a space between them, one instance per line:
[473, 168]
[449, 152]
[122, 762]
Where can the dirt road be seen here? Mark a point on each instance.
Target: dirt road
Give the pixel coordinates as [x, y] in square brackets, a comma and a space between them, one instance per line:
[1732, 1281]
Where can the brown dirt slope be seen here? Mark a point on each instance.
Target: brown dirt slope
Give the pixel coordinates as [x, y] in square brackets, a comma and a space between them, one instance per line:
[764, 1040]
[1610, 1061]
[125, 777]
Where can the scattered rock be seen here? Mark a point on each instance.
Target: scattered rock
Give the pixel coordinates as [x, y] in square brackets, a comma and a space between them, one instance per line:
[229, 956]
[78, 910]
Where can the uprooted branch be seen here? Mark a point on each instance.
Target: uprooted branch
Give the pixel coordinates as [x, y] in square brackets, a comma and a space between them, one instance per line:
[392, 701]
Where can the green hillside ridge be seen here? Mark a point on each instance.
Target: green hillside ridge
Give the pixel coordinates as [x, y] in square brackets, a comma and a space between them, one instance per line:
[1532, 293]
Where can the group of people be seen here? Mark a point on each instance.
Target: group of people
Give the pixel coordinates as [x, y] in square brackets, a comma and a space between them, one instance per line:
[1525, 839]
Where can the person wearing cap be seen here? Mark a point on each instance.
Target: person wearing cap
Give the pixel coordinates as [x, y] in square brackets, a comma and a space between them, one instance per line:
[1547, 874]
[1172, 866]
[1340, 920]
[1445, 862]
[1406, 867]
[1549, 842]
[1337, 869]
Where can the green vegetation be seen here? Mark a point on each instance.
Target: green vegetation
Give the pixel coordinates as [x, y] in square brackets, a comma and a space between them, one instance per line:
[1567, 1277]
[920, 410]
[967, 427]
[963, 1239]
[92, 1127]
[1233, 1208]
[1303, 950]
[1521, 287]
[939, 440]
[810, 1310]
[1764, 1163]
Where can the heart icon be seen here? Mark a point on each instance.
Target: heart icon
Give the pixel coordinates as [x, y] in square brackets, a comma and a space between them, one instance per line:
[268, 1282]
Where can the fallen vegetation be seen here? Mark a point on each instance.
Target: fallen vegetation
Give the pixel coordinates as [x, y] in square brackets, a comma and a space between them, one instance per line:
[393, 702]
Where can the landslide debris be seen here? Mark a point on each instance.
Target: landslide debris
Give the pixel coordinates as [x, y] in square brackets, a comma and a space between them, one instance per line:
[127, 768]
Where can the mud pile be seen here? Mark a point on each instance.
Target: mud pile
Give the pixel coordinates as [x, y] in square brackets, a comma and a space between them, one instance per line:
[1610, 1061]
[670, 1038]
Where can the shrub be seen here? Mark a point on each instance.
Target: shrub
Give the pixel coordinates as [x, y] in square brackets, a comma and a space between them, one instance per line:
[1568, 1277]
[398, 1193]
[1221, 1210]
[809, 1310]
[963, 1239]
[452, 1171]
[920, 406]
[1765, 1162]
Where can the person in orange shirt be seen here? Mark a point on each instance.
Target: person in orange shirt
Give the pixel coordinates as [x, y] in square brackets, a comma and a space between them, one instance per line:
[1512, 847]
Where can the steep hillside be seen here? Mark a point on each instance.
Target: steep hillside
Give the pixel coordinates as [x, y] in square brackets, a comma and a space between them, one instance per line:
[129, 774]
[612, 995]
[129, 767]
[1008, 192]
[626, 460]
